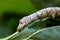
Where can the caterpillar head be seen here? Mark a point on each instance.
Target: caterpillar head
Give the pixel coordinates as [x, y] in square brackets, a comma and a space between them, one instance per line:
[22, 24]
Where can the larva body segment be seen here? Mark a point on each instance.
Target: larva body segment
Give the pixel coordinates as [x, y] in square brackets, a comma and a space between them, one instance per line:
[51, 11]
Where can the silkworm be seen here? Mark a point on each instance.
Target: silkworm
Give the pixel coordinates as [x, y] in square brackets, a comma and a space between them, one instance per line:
[46, 12]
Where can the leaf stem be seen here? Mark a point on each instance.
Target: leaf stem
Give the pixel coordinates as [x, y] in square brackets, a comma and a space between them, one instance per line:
[11, 36]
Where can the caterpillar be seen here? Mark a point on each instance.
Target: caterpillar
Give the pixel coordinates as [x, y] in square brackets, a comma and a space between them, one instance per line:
[46, 12]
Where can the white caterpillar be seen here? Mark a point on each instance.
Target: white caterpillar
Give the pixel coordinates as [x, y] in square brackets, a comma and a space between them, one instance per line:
[51, 11]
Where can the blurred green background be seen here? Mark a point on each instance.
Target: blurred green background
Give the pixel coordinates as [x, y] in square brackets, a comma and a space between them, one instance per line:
[11, 11]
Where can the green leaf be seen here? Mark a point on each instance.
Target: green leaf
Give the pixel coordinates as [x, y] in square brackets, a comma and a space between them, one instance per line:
[36, 31]
[52, 33]
[27, 31]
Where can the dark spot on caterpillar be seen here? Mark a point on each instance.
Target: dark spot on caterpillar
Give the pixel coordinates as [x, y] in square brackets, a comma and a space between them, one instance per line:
[21, 22]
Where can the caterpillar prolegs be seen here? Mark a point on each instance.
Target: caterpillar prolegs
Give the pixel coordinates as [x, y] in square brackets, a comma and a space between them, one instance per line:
[46, 12]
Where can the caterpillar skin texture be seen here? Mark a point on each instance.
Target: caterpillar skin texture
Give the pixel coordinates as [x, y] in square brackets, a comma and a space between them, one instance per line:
[51, 11]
